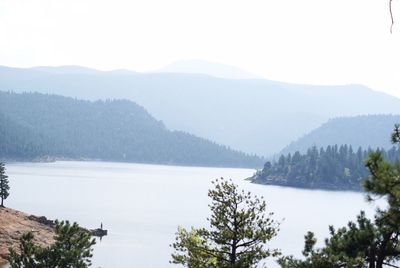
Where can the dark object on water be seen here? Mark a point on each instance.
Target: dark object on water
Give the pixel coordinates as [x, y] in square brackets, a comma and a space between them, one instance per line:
[98, 232]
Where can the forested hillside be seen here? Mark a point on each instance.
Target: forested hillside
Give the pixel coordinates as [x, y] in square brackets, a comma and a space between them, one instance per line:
[367, 131]
[254, 116]
[332, 168]
[18, 142]
[35, 125]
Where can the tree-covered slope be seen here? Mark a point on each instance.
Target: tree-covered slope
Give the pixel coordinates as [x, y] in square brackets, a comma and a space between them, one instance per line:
[254, 116]
[332, 168]
[117, 130]
[367, 131]
[18, 142]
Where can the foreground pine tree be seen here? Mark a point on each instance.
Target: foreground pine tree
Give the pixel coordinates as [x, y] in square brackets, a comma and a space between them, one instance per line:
[239, 230]
[4, 187]
[72, 249]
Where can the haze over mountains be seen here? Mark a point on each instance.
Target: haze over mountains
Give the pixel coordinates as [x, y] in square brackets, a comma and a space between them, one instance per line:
[34, 125]
[251, 115]
[207, 68]
[367, 131]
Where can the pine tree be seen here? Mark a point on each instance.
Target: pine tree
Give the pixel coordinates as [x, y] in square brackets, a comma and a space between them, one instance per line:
[239, 231]
[72, 248]
[4, 187]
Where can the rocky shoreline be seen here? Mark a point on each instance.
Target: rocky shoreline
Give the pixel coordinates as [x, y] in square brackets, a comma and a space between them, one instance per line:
[50, 223]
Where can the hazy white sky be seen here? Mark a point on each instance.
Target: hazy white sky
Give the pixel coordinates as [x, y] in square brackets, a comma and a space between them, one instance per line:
[302, 41]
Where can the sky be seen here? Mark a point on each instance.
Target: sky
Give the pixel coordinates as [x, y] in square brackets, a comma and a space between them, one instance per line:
[298, 41]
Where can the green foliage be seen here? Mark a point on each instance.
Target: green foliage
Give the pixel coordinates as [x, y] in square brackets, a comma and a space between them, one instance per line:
[4, 186]
[239, 231]
[366, 243]
[352, 246]
[193, 250]
[72, 249]
[332, 168]
[38, 125]
[396, 134]
[27, 258]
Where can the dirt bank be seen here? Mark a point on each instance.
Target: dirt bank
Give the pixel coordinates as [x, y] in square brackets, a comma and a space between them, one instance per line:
[13, 224]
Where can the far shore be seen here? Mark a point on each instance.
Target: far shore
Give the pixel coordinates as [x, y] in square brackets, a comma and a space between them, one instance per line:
[53, 160]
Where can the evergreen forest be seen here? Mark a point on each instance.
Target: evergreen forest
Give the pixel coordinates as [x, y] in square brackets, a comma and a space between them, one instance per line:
[331, 168]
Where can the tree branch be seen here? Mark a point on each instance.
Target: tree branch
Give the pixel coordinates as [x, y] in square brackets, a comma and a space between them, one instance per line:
[391, 265]
[391, 15]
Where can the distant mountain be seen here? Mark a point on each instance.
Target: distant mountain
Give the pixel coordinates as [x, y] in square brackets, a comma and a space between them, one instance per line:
[34, 125]
[255, 116]
[66, 69]
[368, 131]
[74, 69]
[207, 68]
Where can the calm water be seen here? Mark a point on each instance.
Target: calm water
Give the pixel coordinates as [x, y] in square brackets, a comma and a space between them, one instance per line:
[142, 205]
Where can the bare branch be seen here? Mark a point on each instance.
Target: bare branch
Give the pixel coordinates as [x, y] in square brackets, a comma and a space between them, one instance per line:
[391, 15]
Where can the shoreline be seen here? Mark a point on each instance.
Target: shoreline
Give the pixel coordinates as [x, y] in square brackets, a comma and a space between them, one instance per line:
[11, 162]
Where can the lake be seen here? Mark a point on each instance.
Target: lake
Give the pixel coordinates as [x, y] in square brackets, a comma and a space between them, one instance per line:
[142, 205]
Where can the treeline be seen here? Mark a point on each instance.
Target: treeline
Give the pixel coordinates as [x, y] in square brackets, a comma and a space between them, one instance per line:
[332, 168]
[34, 126]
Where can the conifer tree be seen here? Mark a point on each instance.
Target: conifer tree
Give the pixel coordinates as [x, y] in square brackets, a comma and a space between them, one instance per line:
[239, 230]
[4, 187]
[72, 249]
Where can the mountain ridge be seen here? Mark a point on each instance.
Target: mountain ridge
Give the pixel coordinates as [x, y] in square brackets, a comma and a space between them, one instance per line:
[255, 116]
[208, 68]
[366, 131]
